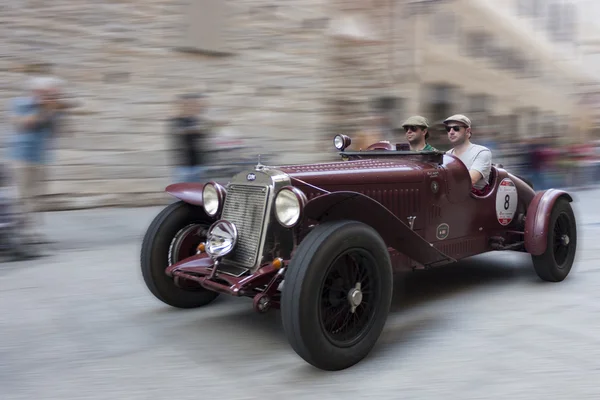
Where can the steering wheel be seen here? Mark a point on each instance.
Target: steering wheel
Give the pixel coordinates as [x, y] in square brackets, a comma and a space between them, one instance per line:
[381, 145]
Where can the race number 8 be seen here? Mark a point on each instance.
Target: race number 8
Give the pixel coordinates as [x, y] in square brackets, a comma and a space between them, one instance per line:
[507, 199]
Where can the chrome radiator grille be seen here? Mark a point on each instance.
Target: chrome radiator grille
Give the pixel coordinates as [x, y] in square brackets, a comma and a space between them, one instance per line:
[245, 208]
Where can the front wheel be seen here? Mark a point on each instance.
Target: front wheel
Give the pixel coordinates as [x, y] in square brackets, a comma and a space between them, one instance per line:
[555, 263]
[337, 294]
[174, 235]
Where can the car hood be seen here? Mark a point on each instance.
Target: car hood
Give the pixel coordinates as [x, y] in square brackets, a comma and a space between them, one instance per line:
[358, 172]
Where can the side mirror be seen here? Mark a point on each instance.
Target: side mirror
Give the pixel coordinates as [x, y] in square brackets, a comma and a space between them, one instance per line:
[341, 142]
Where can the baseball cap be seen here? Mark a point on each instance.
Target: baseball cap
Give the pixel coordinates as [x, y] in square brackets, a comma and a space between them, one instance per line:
[416, 120]
[459, 118]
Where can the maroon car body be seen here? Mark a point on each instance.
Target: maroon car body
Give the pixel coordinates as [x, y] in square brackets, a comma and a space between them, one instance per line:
[418, 208]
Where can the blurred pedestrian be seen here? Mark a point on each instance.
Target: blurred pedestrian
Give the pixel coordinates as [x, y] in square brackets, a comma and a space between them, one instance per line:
[189, 133]
[36, 120]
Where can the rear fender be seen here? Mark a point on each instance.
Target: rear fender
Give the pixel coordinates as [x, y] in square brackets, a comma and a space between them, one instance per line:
[190, 193]
[538, 219]
[395, 233]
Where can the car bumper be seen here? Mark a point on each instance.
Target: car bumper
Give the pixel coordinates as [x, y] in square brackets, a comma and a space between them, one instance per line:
[200, 269]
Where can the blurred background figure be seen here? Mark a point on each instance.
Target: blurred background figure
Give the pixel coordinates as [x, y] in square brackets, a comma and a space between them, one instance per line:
[369, 132]
[36, 125]
[12, 242]
[535, 163]
[584, 156]
[189, 132]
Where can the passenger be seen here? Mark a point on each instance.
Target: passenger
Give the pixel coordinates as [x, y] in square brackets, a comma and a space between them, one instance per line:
[417, 133]
[477, 158]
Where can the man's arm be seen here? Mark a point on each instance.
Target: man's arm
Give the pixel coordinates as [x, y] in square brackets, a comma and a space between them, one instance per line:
[481, 166]
[475, 176]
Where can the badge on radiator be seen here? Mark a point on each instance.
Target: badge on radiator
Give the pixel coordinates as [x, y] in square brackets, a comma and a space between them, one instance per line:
[251, 176]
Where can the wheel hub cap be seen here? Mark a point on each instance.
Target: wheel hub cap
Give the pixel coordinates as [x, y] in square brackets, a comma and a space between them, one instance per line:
[564, 240]
[355, 297]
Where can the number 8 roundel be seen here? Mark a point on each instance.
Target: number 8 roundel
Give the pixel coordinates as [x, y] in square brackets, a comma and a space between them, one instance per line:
[506, 201]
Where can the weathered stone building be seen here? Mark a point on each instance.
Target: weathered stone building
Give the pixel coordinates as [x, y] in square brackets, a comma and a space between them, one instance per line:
[291, 72]
[124, 60]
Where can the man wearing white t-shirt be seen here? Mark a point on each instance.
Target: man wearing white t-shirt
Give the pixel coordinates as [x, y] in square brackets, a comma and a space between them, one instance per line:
[477, 158]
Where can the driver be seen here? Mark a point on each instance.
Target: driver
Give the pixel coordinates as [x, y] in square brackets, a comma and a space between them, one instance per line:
[477, 158]
[417, 133]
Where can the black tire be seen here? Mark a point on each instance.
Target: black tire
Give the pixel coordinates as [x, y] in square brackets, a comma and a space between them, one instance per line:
[303, 290]
[155, 256]
[556, 262]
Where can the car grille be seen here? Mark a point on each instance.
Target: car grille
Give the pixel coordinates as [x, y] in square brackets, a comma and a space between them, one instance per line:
[245, 208]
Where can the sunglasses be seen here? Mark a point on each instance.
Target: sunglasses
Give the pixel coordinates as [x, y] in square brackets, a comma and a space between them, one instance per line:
[455, 128]
[412, 128]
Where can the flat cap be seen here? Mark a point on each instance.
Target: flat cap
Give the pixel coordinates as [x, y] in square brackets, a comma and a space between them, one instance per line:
[459, 118]
[416, 120]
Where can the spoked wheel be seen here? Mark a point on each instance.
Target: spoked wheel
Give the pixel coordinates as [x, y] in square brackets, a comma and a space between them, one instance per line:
[348, 296]
[173, 236]
[186, 241]
[562, 240]
[336, 294]
[556, 262]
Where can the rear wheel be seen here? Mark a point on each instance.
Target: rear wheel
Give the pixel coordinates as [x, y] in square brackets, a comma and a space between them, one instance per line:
[337, 294]
[173, 236]
[555, 263]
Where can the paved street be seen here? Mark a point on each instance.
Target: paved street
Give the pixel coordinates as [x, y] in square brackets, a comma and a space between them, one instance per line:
[80, 324]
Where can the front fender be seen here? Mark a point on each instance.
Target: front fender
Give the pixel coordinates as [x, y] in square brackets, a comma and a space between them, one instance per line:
[190, 193]
[396, 234]
[538, 219]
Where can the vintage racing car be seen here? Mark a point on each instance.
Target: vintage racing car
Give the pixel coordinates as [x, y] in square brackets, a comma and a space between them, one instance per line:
[322, 242]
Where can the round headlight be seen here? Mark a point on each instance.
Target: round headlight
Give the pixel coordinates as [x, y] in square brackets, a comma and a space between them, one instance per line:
[341, 142]
[338, 142]
[221, 239]
[212, 198]
[289, 204]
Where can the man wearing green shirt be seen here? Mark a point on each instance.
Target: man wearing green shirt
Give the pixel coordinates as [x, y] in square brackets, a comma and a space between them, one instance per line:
[417, 133]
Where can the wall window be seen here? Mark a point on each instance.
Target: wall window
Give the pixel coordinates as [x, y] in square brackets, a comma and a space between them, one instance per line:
[496, 55]
[443, 26]
[477, 43]
[530, 8]
[524, 7]
[561, 23]
[440, 102]
[537, 8]
[478, 103]
[553, 21]
[390, 107]
[569, 23]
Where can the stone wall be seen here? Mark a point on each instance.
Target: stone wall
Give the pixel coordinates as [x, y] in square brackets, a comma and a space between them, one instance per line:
[381, 62]
[120, 60]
